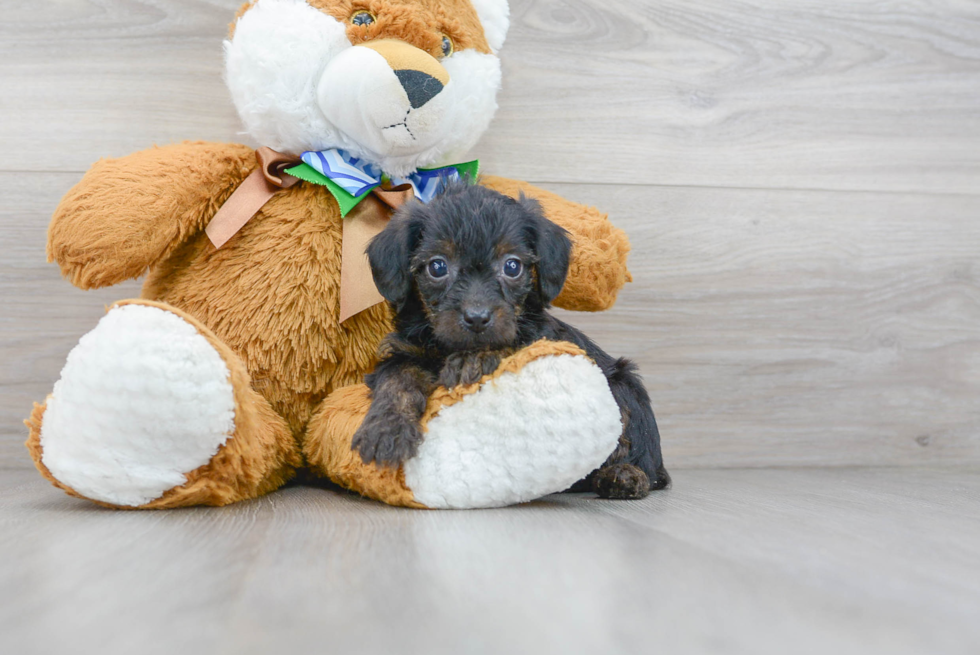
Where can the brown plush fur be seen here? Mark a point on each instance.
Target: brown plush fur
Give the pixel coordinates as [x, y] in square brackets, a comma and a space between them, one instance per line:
[149, 209]
[420, 22]
[328, 451]
[268, 300]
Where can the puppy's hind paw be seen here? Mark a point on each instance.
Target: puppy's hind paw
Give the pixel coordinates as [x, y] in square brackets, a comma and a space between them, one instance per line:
[662, 481]
[622, 481]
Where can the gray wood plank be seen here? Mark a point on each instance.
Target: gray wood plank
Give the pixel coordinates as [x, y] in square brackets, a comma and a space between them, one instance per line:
[836, 95]
[97, 79]
[782, 328]
[170, 579]
[805, 561]
[808, 94]
[773, 327]
[863, 549]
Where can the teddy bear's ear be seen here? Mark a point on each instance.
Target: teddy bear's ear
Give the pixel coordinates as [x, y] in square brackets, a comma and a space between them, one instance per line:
[495, 17]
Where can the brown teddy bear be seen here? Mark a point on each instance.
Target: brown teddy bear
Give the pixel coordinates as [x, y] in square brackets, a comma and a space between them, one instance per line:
[242, 361]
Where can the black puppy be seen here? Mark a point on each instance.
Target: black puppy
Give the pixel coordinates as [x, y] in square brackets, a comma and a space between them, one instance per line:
[470, 276]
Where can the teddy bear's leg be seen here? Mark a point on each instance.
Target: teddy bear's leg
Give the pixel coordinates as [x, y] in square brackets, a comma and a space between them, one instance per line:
[153, 411]
[327, 446]
[543, 420]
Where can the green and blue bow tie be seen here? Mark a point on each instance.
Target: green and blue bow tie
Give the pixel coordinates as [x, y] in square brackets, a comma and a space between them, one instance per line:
[350, 179]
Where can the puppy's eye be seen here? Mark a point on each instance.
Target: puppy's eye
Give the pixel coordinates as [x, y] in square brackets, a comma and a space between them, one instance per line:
[362, 18]
[438, 268]
[513, 267]
[447, 46]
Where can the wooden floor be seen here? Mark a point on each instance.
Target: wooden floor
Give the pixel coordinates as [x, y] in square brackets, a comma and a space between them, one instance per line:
[862, 561]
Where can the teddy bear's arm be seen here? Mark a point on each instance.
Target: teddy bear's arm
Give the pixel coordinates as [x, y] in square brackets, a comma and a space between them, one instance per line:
[598, 269]
[125, 214]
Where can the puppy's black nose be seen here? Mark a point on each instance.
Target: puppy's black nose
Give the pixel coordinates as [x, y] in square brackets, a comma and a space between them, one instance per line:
[477, 320]
[420, 87]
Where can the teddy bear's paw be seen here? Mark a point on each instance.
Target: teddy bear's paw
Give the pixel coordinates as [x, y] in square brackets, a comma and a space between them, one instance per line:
[522, 434]
[143, 399]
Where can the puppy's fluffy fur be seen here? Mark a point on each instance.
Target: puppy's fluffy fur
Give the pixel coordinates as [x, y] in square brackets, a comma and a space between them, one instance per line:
[470, 277]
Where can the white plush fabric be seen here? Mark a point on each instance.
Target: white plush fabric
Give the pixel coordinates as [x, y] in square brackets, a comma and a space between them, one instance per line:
[299, 85]
[520, 437]
[495, 17]
[142, 400]
[473, 91]
[361, 95]
[272, 66]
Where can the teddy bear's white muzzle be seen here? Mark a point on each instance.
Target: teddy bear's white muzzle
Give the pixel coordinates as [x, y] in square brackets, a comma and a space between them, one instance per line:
[387, 111]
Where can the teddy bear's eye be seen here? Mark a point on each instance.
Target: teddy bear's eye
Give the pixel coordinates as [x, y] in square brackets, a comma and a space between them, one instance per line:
[362, 18]
[447, 46]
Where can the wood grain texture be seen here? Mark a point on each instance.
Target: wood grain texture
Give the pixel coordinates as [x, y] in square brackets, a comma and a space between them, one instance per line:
[98, 78]
[809, 94]
[803, 327]
[867, 95]
[803, 561]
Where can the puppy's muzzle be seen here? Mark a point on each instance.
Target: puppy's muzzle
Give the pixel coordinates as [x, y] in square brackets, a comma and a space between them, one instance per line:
[419, 73]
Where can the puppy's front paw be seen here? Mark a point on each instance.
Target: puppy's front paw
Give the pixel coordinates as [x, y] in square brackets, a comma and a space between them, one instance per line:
[386, 439]
[621, 481]
[467, 368]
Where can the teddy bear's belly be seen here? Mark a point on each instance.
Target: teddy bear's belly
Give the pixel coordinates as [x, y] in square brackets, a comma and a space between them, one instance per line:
[272, 294]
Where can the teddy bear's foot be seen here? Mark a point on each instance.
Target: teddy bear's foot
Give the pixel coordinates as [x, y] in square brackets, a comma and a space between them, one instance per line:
[543, 420]
[152, 410]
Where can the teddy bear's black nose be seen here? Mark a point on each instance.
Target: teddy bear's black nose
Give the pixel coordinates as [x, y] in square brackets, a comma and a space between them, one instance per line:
[420, 87]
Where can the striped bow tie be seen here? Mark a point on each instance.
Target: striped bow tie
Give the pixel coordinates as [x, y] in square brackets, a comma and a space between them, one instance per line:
[351, 179]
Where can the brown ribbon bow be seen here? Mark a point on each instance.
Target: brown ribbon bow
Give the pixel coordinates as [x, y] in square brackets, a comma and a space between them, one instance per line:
[367, 219]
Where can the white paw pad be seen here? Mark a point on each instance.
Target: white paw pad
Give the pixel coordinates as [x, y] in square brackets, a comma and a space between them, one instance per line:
[143, 399]
[521, 436]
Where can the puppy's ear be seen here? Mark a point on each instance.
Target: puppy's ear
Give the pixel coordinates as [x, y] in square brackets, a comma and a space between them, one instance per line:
[552, 246]
[390, 254]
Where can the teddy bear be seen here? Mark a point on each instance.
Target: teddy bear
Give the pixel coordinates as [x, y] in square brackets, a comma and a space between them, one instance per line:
[241, 363]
